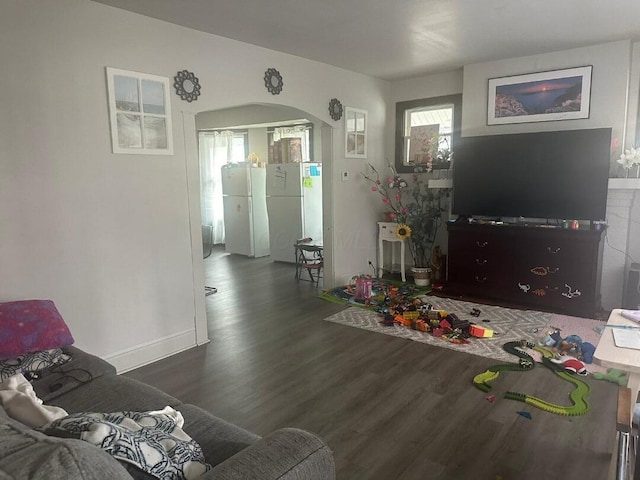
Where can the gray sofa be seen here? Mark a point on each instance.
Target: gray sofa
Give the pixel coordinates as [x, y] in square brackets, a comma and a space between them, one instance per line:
[89, 384]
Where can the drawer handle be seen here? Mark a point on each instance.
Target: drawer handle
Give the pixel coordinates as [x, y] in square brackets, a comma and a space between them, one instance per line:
[553, 251]
[481, 280]
[481, 244]
[481, 261]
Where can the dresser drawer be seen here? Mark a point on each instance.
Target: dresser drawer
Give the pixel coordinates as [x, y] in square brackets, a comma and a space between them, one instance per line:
[547, 268]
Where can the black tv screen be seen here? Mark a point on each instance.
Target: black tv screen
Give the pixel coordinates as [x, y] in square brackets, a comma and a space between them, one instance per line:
[548, 175]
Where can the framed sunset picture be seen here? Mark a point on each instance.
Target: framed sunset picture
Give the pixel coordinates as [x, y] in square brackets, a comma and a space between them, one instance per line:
[540, 97]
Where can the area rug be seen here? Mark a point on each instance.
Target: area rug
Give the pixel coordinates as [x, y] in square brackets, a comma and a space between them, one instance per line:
[345, 295]
[508, 325]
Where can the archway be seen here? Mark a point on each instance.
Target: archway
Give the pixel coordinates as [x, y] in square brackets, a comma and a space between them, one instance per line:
[246, 115]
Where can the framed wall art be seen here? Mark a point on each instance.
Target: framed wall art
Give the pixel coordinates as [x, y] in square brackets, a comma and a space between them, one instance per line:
[139, 113]
[355, 122]
[540, 97]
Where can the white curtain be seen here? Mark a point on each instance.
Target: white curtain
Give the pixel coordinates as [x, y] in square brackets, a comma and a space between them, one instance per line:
[215, 151]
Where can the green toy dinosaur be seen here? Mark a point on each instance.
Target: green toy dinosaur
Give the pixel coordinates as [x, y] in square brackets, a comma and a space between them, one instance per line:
[613, 375]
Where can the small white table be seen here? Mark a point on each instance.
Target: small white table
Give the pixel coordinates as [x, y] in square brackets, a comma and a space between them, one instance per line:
[387, 233]
[609, 355]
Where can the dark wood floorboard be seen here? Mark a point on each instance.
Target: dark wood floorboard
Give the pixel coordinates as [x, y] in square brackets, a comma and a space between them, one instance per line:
[389, 408]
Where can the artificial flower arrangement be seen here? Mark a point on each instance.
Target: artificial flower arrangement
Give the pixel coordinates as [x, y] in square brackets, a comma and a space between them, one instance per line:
[414, 207]
[629, 159]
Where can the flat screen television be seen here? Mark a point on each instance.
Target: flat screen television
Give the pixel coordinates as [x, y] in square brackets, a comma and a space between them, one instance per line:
[542, 175]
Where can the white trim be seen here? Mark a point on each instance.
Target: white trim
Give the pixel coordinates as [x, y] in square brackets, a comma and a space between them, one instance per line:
[192, 178]
[146, 353]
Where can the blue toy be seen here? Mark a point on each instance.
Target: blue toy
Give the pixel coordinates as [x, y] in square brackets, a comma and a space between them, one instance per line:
[588, 349]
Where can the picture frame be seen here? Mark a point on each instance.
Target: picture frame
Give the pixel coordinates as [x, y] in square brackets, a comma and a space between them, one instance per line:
[540, 97]
[355, 123]
[139, 113]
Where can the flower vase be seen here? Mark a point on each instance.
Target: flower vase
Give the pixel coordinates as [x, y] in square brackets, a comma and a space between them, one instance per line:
[633, 171]
[421, 276]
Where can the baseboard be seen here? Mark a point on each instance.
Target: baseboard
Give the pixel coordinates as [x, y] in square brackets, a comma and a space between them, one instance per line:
[150, 352]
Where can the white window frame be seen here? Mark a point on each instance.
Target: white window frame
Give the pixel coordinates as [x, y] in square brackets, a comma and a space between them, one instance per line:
[355, 132]
[163, 118]
[444, 135]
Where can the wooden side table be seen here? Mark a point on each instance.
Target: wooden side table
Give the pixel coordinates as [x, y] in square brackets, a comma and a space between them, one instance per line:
[387, 233]
[609, 355]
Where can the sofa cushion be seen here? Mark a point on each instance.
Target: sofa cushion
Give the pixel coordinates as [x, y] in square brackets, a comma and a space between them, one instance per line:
[81, 368]
[114, 393]
[285, 454]
[29, 326]
[219, 439]
[25, 453]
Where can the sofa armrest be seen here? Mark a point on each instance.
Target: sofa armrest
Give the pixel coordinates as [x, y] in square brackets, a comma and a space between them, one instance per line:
[286, 454]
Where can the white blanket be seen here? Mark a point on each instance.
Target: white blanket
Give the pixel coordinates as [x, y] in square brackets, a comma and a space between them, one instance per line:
[21, 403]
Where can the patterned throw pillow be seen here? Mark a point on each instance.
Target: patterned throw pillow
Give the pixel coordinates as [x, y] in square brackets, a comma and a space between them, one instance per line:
[31, 326]
[32, 362]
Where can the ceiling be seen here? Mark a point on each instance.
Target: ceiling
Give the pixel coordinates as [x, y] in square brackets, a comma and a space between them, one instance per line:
[404, 38]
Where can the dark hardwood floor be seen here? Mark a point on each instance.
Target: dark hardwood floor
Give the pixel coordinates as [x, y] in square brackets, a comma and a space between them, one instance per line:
[389, 408]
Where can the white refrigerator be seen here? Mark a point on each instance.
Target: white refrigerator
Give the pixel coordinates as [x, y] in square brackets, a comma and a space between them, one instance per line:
[294, 203]
[246, 222]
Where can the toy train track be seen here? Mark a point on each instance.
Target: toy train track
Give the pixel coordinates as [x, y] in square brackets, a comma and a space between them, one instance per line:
[579, 405]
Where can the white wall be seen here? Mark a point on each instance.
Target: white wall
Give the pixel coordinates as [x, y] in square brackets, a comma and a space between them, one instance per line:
[611, 64]
[247, 115]
[114, 240]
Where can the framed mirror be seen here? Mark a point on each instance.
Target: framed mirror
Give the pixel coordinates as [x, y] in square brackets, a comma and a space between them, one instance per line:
[187, 86]
[426, 133]
[273, 81]
[335, 109]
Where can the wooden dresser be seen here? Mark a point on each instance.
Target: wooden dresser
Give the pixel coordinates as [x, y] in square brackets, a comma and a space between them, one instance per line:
[546, 268]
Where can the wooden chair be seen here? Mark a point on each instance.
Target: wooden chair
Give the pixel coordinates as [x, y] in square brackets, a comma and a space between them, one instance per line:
[309, 258]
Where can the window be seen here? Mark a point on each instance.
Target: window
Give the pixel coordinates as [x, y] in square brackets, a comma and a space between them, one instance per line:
[426, 132]
[239, 148]
[140, 113]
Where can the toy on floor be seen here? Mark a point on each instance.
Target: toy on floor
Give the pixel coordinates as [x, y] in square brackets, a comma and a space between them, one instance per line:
[578, 396]
[588, 349]
[571, 345]
[571, 365]
[480, 332]
[551, 338]
[416, 313]
[612, 375]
